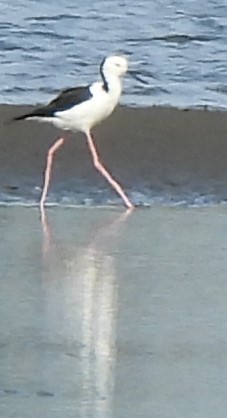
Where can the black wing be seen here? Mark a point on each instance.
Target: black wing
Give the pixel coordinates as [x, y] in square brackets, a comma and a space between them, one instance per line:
[70, 97]
[66, 99]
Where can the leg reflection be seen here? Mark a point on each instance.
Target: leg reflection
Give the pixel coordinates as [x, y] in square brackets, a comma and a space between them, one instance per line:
[46, 231]
[82, 301]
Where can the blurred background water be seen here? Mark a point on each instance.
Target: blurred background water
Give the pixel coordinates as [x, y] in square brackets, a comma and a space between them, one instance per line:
[178, 46]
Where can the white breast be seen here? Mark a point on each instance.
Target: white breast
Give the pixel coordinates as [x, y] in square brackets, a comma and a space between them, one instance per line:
[91, 112]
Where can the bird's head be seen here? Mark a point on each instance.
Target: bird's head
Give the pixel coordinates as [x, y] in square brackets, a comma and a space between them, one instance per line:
[114, 65]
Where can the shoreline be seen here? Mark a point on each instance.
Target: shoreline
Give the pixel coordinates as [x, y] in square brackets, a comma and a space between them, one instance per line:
[158, 149]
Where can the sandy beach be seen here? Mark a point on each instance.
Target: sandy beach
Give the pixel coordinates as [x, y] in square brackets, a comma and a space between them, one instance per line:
[106, 313]
[163, 151]
[113, 314]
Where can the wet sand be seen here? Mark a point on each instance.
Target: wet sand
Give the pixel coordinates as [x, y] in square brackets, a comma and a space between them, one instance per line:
[109, 314]
[163, 150]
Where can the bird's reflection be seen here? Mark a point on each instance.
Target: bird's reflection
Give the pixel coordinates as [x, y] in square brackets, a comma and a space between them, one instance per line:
[89, 300]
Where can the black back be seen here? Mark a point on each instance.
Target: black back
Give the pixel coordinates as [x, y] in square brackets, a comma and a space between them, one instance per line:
[66, 99]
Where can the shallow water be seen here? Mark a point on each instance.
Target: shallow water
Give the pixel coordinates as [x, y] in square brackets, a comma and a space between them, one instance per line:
[109, 314]
[178, 47]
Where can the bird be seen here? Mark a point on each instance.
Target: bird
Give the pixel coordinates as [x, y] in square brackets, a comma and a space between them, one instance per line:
[80, 109]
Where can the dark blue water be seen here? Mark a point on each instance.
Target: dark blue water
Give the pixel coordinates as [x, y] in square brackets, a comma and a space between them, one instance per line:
[180, 48]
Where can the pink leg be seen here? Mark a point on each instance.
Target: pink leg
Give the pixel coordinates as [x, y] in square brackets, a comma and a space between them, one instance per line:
[47, 175]
[105, 173]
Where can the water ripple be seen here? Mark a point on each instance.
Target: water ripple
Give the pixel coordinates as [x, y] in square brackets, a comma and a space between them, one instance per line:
[179, 48]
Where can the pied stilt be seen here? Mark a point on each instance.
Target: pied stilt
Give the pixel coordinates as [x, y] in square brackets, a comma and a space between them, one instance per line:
[80, 109]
